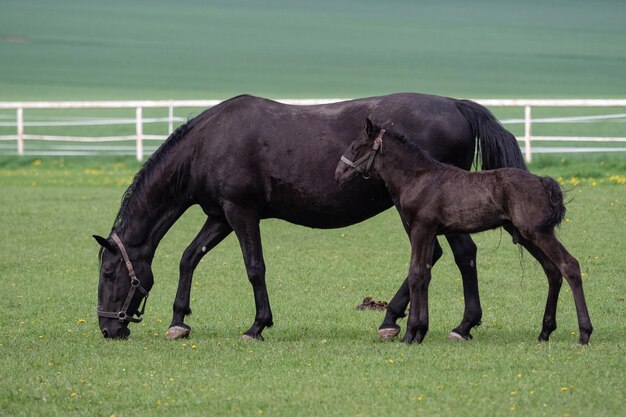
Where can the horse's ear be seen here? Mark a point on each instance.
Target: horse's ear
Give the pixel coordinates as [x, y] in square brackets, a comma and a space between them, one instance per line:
[369, 128]
[104, 243]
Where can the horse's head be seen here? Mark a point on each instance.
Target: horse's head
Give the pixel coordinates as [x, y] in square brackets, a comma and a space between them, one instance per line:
[359, 156]
[125, 280]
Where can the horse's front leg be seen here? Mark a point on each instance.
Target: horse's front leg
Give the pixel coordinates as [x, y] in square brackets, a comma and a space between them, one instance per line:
[422, 245]
[464, 250]
[245, 223]
[396, 309]
[210, 235]
[398, 304]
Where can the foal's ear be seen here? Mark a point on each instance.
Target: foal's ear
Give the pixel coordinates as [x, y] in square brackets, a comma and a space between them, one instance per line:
[369, 127]
[104, 243]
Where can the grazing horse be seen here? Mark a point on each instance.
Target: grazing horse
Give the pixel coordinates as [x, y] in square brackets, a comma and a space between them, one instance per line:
[251, 158]
[437, 198]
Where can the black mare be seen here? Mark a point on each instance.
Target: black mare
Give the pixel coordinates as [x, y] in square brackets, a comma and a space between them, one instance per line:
[437, 198]
[251, 158]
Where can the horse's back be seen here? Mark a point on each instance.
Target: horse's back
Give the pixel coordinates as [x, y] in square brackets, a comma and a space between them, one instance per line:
[283, 157]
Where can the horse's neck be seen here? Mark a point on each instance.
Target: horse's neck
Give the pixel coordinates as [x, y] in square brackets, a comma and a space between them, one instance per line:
[151, 213]
[400, 164]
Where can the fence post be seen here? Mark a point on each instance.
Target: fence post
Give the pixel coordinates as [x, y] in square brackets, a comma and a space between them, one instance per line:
[527, 120]
[20, 131]
[139, 132]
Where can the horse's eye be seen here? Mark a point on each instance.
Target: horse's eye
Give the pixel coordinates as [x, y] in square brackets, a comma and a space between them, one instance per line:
[108, 275]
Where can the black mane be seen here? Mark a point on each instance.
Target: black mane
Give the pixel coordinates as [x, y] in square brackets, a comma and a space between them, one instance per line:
[136, 188]
[154, 164]
[422, 154]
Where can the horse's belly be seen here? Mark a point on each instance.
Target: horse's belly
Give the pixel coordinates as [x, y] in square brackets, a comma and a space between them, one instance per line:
[472, 221]
[326, 210]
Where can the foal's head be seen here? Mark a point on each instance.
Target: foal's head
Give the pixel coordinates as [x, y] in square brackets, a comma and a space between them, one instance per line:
[359, 157]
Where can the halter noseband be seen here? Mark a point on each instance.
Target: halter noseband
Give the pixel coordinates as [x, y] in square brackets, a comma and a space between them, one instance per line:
[356, 165]
[135, 285]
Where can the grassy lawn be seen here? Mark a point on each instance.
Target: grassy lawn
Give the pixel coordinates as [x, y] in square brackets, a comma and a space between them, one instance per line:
[322, 357]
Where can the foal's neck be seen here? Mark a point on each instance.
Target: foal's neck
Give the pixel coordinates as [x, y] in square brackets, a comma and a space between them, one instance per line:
[400, 160]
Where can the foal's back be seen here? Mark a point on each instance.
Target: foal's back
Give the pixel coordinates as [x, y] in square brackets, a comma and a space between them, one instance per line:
[468, 202]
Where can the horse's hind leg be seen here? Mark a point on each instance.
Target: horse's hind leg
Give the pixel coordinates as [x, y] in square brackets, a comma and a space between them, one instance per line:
[464, 250]
[568, 265]
[245, 223]
[212, 233]
[554, 283]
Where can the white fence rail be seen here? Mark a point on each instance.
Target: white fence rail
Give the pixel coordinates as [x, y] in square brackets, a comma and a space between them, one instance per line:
[139, 121]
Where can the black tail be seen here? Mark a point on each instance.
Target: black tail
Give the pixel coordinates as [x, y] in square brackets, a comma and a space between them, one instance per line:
[497, 146]
[557, 207]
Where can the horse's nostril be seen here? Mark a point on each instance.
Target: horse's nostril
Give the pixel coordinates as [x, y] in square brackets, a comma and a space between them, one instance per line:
[105, 333]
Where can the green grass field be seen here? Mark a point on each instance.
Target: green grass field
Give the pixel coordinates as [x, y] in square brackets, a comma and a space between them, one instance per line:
[322, 358]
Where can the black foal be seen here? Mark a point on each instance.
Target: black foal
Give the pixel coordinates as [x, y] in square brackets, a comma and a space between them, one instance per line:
[436, 198]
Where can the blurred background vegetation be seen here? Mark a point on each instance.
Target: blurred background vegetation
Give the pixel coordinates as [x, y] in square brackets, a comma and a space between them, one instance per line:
[76, 49]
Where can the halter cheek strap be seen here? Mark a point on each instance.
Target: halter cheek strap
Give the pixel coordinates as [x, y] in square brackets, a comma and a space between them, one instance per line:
[356, 165]
[135, 285]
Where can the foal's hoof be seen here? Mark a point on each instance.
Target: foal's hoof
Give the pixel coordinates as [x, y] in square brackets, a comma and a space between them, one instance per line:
[416, 338]
[388, 333]
[178, 332]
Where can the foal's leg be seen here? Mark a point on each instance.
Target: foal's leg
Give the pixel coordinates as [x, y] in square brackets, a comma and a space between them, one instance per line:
[464, 250]
[245, 223]
[397, 306]
[568, 265]
[422, 244]
[211, 234]
[555, 280]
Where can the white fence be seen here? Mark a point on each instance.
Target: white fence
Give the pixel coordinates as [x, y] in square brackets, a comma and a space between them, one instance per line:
[21, 137]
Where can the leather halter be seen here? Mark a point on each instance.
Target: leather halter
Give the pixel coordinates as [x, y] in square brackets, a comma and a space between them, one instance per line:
[135, 285]
[369, 158]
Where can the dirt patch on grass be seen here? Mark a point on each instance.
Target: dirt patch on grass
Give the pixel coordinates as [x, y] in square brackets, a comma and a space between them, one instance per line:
[371, 304]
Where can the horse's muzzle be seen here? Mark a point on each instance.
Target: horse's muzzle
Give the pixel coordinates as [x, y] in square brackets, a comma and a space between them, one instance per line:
[121, 333]
[115, 330]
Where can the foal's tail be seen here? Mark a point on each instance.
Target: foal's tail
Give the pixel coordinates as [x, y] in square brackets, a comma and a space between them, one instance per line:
[557, 208]
[497, 146]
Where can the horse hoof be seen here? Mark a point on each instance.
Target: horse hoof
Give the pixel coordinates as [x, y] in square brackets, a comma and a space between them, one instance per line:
[177, 332]
[388, 333]
[247, 338]
[455, 336]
